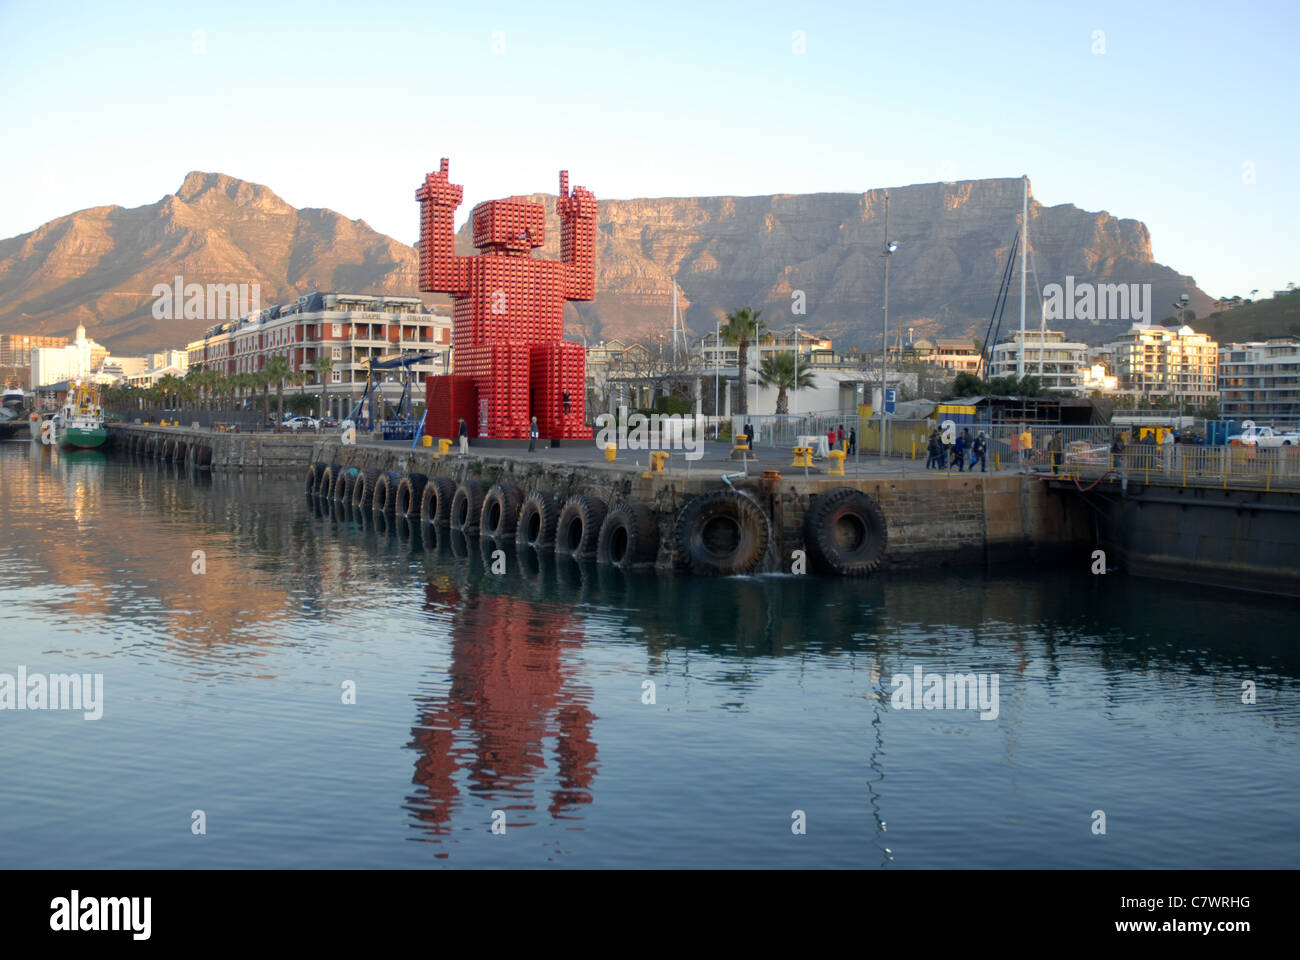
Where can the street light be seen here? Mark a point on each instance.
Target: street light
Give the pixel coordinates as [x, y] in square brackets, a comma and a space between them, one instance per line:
[891, 247]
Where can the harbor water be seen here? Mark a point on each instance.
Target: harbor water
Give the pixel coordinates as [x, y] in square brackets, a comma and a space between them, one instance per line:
[286, 684]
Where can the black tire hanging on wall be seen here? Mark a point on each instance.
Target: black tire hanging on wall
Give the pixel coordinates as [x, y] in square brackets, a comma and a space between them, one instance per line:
[410, 490]
[846, 532]
[629, 537]
[467, 507]
[578, 528]
[363, 487]
[722, 533]
[327, 480]
[500, 512]
[343, 484]
[538, 514]
[384, 499]
[435, 502]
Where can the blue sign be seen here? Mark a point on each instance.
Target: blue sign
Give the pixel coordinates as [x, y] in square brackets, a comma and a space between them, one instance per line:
[891, 395]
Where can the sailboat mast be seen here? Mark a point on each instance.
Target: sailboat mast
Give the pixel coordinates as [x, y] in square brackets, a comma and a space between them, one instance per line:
[674, 320]
[1024, 253]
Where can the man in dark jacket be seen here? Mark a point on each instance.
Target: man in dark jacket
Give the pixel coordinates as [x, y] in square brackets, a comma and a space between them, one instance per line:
[959, 451]
[1054, 450]
[977, 452]
[464, 437]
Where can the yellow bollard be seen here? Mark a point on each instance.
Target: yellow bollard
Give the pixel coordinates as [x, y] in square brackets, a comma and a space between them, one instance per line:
[802, 457]
[657, 458]
[836, 469]
[997, 460]
[428, 440]
[611, 451]
[444, 447]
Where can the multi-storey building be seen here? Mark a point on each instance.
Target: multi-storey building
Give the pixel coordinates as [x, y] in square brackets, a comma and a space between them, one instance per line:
[1059, 364]
[956, 356]
[348, 329]
[80, 358]
[16, 348]
[1155, 362]
[1260, 381]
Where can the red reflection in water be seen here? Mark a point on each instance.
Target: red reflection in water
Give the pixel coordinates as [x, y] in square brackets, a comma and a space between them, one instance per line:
[510, 690]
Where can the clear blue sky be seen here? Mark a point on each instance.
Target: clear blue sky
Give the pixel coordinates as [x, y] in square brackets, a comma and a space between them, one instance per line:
[348, 105]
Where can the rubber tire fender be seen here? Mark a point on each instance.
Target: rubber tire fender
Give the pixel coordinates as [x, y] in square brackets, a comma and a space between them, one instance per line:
[363, 488]
[629, 537]
[435, 502]
[538, 515]
[846, 532]
[722, 534]
[500, 512]
[384, 499]
[410, 491]
[467, 506]
[578, 529]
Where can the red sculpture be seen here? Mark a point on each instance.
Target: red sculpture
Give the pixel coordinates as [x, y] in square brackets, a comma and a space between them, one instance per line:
[512, 361]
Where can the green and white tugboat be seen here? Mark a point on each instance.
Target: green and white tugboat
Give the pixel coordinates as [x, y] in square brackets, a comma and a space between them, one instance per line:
[81, 422]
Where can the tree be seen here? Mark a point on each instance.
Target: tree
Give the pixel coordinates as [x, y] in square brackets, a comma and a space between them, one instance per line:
[325, 367]
[778, 370]
[277, 369]
[743, 326]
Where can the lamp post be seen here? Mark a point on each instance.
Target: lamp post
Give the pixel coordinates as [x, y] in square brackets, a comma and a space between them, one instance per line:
[890, 248]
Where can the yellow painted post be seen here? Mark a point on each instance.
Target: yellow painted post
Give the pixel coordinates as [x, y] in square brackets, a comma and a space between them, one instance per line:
[444, 446]
[997, 459]
[836, 469]
[428, 440]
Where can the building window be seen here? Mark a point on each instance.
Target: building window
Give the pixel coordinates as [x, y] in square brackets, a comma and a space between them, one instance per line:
[336, 329]
[336, 353]
[336, 376]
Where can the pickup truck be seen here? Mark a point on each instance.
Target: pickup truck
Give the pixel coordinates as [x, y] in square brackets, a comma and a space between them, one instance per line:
[1255, 436]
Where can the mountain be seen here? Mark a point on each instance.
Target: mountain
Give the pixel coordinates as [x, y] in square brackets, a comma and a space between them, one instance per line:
[99, 266]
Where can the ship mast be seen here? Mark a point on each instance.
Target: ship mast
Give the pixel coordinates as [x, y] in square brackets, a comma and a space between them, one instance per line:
[1024, 253]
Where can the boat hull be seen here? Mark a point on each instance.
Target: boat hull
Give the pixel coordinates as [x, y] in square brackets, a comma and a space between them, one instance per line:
[84, 438]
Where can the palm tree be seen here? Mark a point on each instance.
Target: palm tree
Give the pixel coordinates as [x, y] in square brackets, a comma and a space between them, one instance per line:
[277, 369]
[325, 367]
[778, 371]
[741, 327]
[262, 379]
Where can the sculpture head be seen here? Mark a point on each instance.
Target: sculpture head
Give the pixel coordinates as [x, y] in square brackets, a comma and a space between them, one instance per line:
[514, 225]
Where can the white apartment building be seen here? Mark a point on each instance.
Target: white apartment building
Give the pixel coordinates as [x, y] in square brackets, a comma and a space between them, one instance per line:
[347, 328]
[1058, 363]
[1152, 361]
[1260, 381]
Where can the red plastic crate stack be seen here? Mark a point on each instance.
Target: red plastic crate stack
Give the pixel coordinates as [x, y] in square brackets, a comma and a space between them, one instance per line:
[438, 199]
[513, 224]
[558, 368]
[578, 241]
[500, 372]
[446, 400]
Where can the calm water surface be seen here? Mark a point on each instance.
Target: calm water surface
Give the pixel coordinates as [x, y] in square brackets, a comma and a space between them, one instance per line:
[523, 694]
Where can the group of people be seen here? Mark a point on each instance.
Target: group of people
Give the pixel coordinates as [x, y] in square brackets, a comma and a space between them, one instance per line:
[946, 450]
[835, 440]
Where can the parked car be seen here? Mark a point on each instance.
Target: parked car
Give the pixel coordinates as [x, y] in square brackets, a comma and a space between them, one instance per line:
[300, 423]
[328, 422]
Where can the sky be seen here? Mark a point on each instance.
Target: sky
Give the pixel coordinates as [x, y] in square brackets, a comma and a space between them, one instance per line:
[1178, 114]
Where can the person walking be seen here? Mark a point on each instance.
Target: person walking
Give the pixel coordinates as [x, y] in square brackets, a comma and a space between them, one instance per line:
[1026, 449]
[945, 451]
[840, 437]
[1167, 450]
[532, 435]
[1116, 451]
[853, 441]
[464, 437]
[978, 451]
[830, 438]
[749, 435]
[959, 451]
[1054, 449]
[932, 450]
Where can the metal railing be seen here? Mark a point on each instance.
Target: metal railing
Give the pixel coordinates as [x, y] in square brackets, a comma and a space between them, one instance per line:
[1237, 466]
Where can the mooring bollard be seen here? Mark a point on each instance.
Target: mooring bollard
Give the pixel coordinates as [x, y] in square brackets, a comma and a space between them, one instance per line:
[836, 469]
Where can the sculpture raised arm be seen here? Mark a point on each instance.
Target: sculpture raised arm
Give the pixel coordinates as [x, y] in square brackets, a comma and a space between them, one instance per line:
[439, 198]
